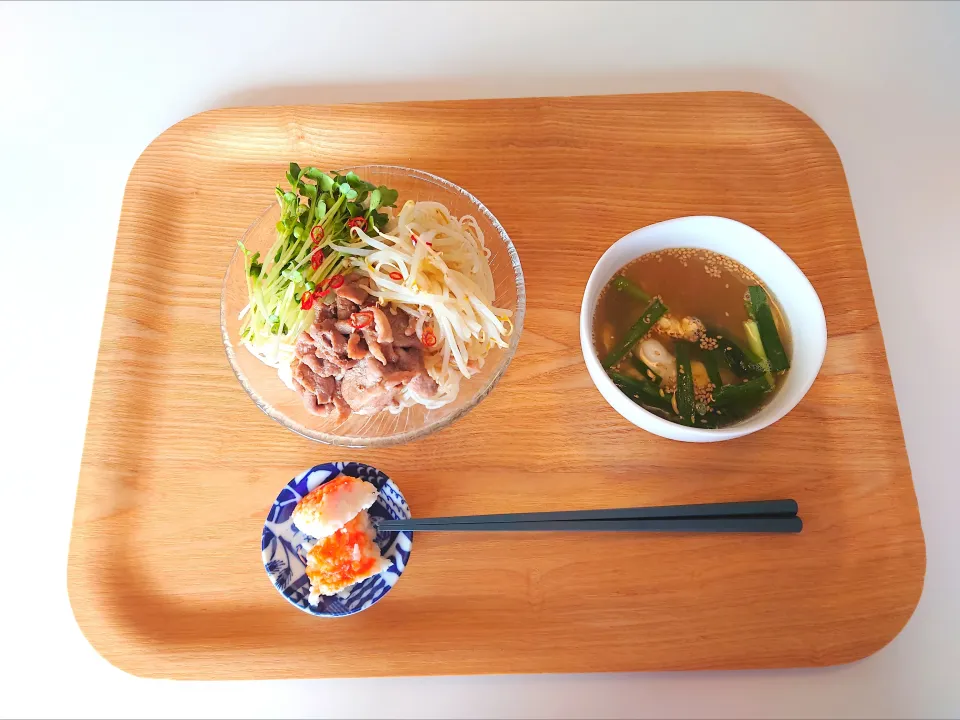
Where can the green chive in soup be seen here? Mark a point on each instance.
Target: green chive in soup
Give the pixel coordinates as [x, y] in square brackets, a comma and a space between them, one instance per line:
[692, 336]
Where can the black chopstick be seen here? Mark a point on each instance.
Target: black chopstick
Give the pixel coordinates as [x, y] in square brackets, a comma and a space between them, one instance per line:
[766, 508]
[734, 524]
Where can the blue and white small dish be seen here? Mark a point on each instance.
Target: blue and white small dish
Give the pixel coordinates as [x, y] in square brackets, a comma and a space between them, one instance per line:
[281, 544]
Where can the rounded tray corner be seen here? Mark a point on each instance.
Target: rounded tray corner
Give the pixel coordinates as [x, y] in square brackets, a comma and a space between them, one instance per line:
[800, 116]
[103, 641]
[157, 144]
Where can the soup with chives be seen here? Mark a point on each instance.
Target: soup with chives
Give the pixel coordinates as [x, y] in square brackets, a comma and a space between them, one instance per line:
[692, 336]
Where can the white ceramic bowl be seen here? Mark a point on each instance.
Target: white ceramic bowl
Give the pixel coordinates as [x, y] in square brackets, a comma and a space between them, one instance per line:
[793, 292]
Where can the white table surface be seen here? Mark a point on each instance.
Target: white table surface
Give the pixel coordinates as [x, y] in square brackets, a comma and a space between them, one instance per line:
[85, 88]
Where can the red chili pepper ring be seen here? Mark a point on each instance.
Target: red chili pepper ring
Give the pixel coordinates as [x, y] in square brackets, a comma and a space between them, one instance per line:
[361, 320]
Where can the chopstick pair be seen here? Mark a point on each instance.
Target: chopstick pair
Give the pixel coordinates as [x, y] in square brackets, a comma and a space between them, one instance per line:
[760, 516]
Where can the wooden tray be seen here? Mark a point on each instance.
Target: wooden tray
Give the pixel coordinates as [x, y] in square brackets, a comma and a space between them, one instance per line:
[180, 467]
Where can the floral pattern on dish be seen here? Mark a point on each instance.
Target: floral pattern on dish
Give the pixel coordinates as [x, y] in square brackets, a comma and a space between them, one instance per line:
[281, 542]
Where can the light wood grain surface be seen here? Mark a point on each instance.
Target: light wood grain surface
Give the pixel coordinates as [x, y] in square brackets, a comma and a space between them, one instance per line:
[179, 467]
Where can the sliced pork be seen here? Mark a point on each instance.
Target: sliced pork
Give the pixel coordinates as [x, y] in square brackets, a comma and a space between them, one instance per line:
[340, 368]
[351, 291]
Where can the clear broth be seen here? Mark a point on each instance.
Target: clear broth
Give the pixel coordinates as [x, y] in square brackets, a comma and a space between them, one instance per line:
[691, 283]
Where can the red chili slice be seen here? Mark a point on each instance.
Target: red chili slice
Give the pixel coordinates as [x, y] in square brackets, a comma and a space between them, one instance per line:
[335, 282]
[357, 222]
[318, 293]
[394, 275]
[361, 320]
[429, 339]
[306, 302]
[316, 260]
[316, 234]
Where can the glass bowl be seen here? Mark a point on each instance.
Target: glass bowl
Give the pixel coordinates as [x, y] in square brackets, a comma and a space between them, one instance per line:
[285, 406]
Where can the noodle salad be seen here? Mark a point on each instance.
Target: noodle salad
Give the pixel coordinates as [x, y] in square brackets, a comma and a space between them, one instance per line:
[363, 308]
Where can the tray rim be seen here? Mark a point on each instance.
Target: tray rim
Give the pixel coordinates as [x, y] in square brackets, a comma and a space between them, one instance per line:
[138, 671]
